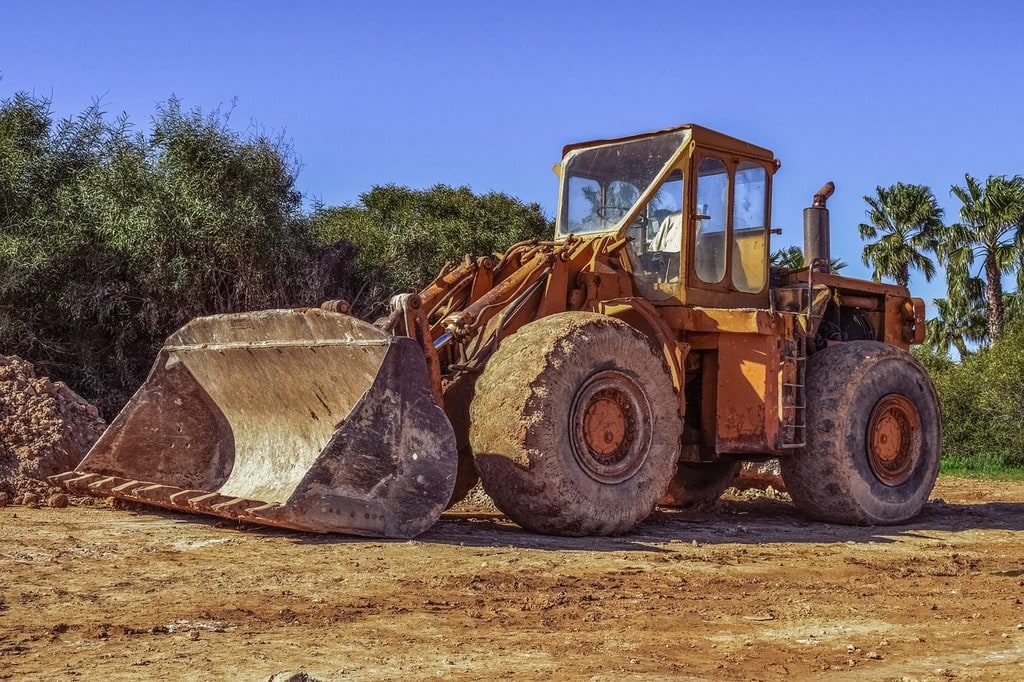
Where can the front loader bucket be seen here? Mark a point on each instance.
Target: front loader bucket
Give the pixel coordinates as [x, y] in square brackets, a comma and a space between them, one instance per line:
[303, 419]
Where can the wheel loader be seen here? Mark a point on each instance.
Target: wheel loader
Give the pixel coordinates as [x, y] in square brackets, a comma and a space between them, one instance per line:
[636, 359]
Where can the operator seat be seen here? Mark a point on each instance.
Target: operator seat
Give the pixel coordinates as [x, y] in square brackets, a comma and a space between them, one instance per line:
[663, 251]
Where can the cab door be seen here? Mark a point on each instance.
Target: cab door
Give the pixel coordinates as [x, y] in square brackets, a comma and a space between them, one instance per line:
[728, 230]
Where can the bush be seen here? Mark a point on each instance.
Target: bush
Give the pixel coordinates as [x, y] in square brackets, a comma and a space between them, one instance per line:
[983, 406]
[110, 240]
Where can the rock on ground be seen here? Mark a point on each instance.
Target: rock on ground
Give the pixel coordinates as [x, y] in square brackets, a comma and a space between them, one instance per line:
[45, 429]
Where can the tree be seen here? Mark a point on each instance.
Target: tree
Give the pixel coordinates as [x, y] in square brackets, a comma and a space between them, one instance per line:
[398, 239]
[47, 240]
[111, 239]
[792, 258]
[959, 322]
[909, 220]
[991, 218]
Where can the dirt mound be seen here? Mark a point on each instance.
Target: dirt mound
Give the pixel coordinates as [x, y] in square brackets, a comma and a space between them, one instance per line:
[45, 429]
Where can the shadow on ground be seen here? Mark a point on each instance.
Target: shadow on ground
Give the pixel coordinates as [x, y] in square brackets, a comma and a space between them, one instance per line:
[746, 522]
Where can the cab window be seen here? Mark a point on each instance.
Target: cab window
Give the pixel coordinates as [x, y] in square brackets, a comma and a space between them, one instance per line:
[658, 234]
[603, 183]
[595, 208]
[748, 227]
[712, 202]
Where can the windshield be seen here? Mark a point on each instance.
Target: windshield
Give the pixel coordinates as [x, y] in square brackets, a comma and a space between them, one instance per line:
[600, 185]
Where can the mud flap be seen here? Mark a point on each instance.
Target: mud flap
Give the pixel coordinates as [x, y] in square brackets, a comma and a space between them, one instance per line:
[303, 419]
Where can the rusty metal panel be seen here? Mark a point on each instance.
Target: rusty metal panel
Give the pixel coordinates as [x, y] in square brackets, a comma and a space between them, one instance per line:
[847, 285]
[722, 320]
[904, 321]
[747, 394]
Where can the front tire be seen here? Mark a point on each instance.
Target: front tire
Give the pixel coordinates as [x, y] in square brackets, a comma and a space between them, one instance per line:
[575, 427]
[874, 436]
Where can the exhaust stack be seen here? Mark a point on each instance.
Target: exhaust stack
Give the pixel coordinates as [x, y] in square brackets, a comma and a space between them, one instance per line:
[817, 250]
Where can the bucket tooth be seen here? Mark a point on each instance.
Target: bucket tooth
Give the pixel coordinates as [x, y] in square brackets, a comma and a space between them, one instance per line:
[188, 497]
[261, 509]
[230, 506]
[70, 476]
[197, 499]
[103, 483]
[74, 481]
[304, 419]
[155, 493]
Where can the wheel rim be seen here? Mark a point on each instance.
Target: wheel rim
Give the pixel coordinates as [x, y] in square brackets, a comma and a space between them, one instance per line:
[610, 422]
[894, 439]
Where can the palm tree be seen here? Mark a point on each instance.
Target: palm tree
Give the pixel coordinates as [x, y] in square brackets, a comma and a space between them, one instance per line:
[989, 230]
[959, 322]
[909, 220]
[792, 258]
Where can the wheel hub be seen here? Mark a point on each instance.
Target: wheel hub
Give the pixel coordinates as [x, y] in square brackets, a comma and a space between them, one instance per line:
[894, 439]
[610, 424]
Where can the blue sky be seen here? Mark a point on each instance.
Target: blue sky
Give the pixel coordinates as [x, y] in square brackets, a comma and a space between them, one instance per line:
[485, 94]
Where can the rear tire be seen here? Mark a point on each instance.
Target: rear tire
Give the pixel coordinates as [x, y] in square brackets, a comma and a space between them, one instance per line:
[696, 483]
[874, 436]
[575, 427]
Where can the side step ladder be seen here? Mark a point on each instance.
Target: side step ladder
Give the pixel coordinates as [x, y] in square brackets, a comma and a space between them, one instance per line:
[793, 397]
[801, 308]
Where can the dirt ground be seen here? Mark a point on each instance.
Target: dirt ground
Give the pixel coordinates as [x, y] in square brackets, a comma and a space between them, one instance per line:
[746, 589]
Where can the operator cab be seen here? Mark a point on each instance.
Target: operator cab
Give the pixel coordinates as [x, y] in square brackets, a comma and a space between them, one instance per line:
[695, 204]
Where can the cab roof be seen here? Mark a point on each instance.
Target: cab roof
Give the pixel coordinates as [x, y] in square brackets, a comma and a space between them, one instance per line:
[704, 137]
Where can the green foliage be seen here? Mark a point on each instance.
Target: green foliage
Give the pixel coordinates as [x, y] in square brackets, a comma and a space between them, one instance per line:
[982, 403]
[936, 362]
[109, 239]
[991, 217]
[399, 238]
[909, 220]
[959, 323]
[792, 258]
[989, 467]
